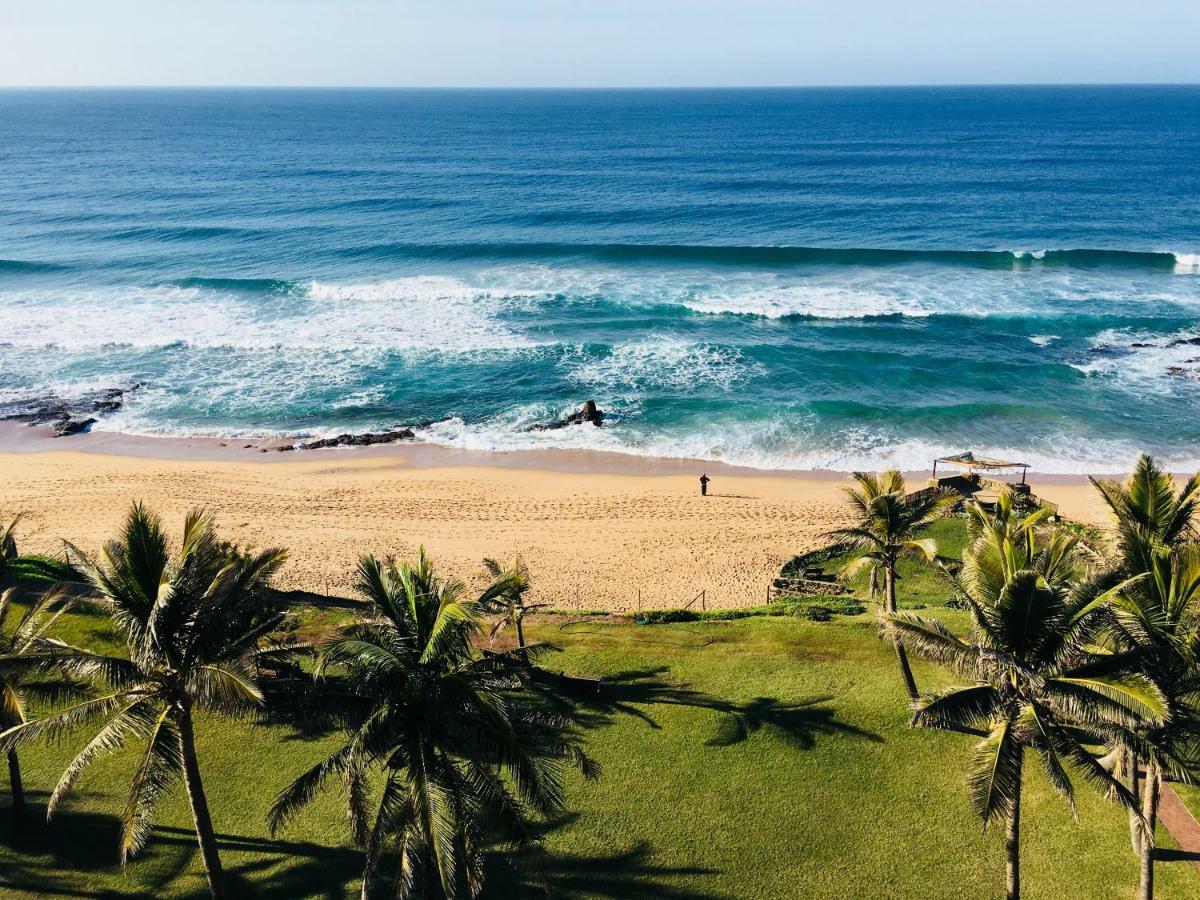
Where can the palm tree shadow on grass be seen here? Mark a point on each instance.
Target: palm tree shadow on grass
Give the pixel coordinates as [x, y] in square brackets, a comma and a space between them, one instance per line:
[78, 843]
[628, 874]
[628, 693]
[65, 857]
[57, 858]
[281, 869]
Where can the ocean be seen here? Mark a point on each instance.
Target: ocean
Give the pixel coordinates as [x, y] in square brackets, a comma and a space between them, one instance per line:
[809, 278]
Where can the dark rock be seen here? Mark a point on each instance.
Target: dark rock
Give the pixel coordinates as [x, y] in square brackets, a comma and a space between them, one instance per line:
[589, 413]
[1140, 344]
[72, 426]
[1181, 372]
[1185, 342]
[67, 416]
[354, 440]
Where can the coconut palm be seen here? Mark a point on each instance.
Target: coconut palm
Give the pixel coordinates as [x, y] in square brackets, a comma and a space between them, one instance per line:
[15, 566]
[1005, 516]
[890, 527]
[510, 605]
[463, 755]
[192, 624]
[1035, 681]
[1158, 619]
[1149, 513]
[26, 673]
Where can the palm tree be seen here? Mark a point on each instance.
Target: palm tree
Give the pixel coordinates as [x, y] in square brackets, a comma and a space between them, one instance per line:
[1158, 618]
[1149, 513]
[1156, 622]
[509, 605]
[1036, 683]
[192, 625]
[464, 755]
[890, 527]
[26, 673]
[1005, 516]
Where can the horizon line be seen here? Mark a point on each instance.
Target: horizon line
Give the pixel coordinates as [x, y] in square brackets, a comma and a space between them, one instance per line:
[615, 87]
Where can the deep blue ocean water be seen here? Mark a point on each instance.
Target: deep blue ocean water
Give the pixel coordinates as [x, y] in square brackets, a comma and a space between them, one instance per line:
[780, 278]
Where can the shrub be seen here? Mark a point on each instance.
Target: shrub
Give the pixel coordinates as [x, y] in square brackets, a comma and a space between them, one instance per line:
[666, 616]
[815, 608]
[798, 564]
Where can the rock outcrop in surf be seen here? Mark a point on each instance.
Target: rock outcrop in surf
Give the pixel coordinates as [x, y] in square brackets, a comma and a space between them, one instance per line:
[68, 416]
[588, 413]
[354, 440]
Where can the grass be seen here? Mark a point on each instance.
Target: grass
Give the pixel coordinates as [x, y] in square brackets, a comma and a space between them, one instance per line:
[774, 762]
[919, 584]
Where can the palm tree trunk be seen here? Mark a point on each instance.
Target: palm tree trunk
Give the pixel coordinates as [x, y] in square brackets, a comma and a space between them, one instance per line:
[889, 606]
[205, 835]
[520, 632]
[18, 790]
[1012, 841]
[1150, 814]
[1135, 788]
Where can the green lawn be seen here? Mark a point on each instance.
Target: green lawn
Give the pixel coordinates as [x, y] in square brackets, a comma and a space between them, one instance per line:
[774, 762]
[919, 584]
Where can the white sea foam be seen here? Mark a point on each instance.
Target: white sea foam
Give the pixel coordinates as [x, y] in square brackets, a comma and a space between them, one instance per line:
[1144, 361]
[1187, 263]
[661, 362]
[359, 398]
[430, 314]
[817, 301]
[782, 444]
[1044, 340]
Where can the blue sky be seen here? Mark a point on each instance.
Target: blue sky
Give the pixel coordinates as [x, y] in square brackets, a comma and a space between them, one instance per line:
[597, 42]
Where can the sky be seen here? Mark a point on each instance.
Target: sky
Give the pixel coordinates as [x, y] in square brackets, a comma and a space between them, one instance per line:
[596, 43]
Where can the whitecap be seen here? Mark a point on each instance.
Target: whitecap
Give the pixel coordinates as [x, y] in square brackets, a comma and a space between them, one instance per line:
[1187, 263]
[662, 362]
[435, 314]
[1144, 361]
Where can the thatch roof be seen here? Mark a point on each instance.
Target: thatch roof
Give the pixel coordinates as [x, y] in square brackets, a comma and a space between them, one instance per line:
[973, 463]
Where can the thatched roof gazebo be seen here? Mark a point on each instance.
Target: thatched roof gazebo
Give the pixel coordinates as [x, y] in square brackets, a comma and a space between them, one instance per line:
[974, 465]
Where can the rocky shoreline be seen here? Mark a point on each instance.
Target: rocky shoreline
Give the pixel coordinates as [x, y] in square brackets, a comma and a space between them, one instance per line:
[68, 416]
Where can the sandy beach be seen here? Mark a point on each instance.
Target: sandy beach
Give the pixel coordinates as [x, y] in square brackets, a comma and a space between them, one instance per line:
[602, 539]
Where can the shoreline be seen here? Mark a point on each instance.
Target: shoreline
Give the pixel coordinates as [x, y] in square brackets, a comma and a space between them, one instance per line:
[19, 438]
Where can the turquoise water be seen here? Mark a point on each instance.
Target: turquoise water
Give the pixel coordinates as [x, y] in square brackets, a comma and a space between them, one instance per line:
[784, 278]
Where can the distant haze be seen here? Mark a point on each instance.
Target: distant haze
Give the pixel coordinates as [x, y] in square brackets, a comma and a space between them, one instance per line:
[574, 43]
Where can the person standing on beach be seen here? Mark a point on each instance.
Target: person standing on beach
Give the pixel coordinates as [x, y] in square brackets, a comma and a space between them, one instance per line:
[704, 479]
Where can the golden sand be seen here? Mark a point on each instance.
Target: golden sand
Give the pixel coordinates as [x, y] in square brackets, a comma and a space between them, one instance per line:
[592, 540]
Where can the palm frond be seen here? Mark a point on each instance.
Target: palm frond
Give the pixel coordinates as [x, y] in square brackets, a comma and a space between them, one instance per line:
[136, 719]
[994, 777]
[931, 639]
[159, 768]
[957, 708]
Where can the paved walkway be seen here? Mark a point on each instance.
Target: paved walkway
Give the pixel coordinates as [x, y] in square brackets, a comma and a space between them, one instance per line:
[1178, 820]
